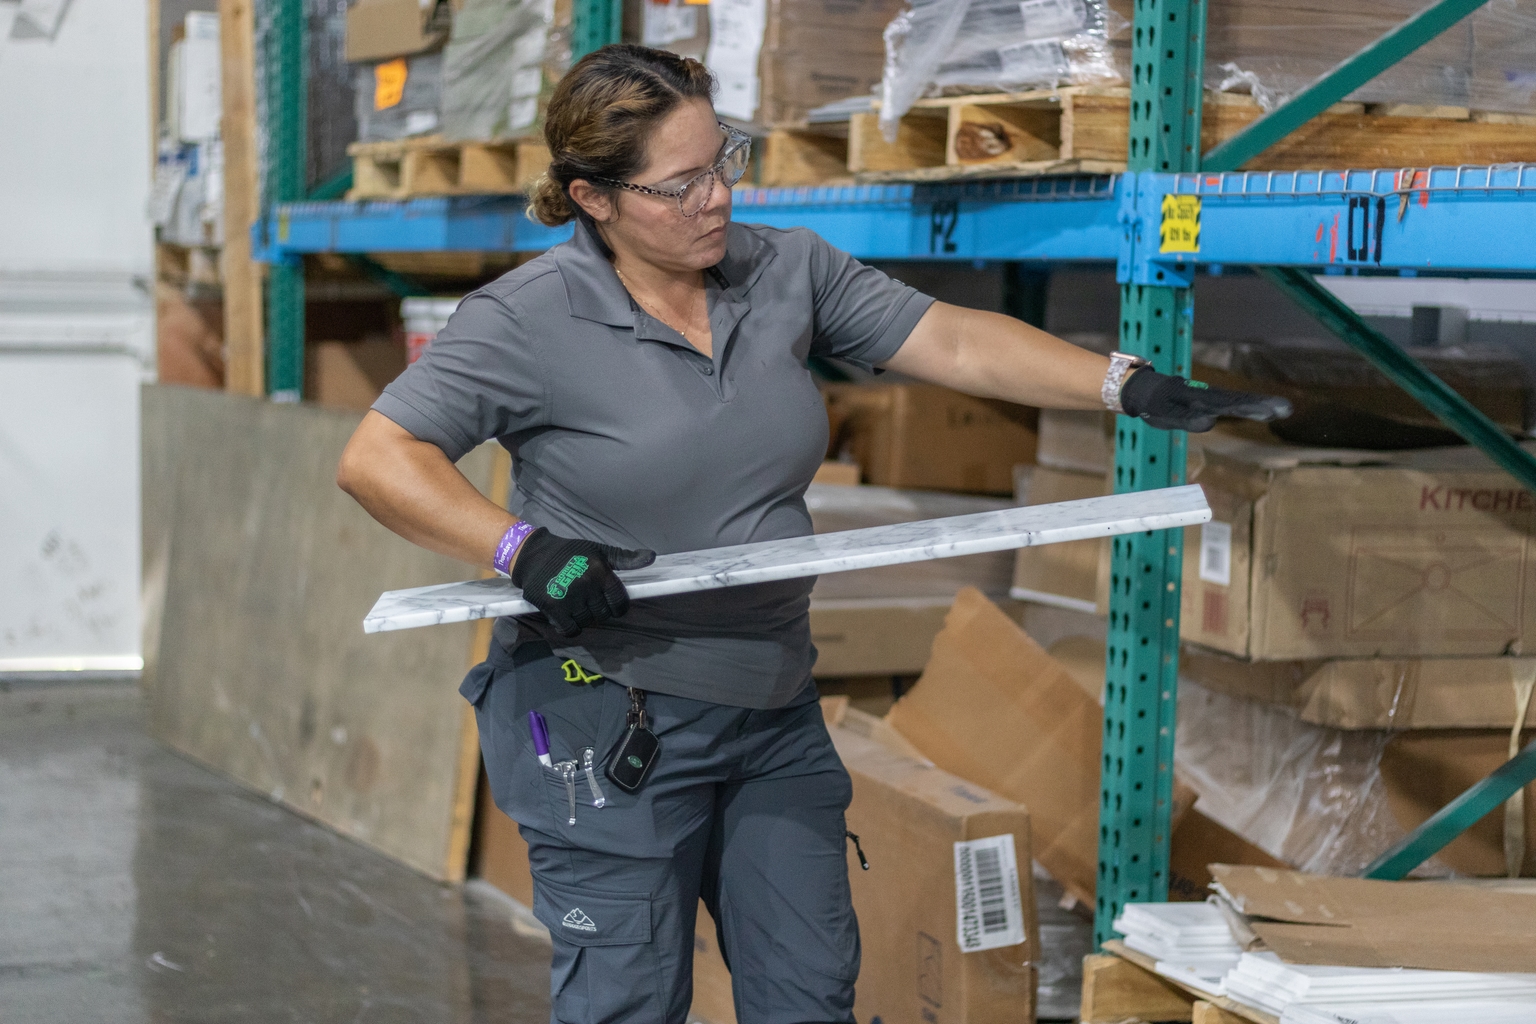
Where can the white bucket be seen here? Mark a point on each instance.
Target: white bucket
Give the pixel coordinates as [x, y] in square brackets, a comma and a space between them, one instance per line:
[424, 317]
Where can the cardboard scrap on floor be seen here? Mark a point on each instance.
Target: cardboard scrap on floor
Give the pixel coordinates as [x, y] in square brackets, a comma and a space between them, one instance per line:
[993, 707]
[1357, 922]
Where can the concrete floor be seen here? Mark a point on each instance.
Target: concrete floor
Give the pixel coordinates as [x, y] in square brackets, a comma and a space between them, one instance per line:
[136, 886]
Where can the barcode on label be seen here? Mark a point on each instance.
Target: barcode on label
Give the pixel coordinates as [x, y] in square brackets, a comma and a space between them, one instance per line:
[988, 910]
[1216, 553]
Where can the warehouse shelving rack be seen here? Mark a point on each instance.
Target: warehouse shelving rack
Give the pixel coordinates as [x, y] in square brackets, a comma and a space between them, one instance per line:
[1173, 210]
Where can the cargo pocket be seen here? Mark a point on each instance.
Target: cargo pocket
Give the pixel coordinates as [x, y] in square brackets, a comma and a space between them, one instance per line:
[605, 966]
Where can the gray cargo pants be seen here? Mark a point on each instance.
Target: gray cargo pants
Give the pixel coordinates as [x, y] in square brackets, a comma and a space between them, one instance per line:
[743, 808]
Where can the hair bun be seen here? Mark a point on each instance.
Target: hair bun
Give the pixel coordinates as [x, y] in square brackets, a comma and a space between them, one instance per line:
[547, 202]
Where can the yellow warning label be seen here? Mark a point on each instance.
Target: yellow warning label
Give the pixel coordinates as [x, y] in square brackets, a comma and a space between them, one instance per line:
[389, 83]
[1181, 224]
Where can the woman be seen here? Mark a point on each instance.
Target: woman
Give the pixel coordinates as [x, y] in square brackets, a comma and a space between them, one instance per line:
[649, 379]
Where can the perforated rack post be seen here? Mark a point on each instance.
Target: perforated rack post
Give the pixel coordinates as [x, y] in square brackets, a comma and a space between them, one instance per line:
[1141, 678]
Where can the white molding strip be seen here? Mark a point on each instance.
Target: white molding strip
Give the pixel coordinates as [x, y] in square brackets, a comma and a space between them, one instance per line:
[684, 572]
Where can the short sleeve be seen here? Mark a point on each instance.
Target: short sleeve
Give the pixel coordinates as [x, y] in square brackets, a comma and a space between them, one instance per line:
[862, 315]
[480, 378]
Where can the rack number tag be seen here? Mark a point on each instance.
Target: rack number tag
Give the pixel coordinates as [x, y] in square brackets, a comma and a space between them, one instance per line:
[1181, 224]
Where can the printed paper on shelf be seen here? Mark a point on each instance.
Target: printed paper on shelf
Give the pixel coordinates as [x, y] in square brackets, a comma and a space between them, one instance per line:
[735, 37]
[1216, 553]
[663, 23]
[988, 910]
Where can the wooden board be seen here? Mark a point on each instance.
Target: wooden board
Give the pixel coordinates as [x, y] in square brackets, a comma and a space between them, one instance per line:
[244, 334]
[260, 671]
[1115, 990]
[1148, 967]
[1084, 130]
[430, 166]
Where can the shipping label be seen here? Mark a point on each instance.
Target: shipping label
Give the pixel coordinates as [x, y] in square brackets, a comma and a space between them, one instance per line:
[1216, 553]
[988, 909]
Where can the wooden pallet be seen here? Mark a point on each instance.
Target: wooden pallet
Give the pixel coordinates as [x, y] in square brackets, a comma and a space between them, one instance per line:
[1084, 130]
[1123, 985]
[430, 166]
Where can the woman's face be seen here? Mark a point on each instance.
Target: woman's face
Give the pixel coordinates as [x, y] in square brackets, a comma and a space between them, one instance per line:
[686, 143]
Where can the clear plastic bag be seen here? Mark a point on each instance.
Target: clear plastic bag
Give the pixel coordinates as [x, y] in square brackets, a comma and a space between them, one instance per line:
[1310, 795]
[500, 65]
[1272, 50]
[965, 46]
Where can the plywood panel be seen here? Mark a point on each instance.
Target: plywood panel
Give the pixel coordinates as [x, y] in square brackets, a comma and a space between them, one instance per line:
[263, 670]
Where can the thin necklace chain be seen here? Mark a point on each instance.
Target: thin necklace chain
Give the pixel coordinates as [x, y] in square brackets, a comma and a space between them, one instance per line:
[654, 309]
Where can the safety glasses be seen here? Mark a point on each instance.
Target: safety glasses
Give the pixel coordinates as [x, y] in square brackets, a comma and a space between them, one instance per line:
[695, 195]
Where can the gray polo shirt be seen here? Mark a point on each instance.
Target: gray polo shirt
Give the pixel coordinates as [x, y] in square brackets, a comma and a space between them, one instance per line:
[623, 433]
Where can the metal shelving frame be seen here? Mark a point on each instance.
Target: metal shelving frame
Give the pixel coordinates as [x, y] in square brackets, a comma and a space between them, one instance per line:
[1173, 210]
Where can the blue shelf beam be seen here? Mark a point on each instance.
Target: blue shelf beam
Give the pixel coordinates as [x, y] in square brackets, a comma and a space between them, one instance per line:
[1474, 220]
[1040, 219]
[1444, 219]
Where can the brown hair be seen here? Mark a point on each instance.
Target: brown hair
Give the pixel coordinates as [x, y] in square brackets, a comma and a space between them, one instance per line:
[601, 116]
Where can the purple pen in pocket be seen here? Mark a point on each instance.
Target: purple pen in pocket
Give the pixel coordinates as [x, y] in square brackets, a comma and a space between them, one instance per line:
[540, 732]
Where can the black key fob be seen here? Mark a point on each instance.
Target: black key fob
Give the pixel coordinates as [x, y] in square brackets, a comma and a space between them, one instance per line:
[632, 758]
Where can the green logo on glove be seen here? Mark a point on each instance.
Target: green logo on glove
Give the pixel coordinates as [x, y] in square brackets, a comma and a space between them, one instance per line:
[559, 586]
[1198, 385]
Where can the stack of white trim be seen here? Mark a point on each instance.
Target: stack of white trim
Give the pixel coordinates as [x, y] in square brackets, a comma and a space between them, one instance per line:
[1308, 994]
[1190, 941]
[1439, 1011]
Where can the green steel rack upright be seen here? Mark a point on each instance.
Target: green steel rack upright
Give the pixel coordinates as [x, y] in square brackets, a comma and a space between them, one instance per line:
[1141, 678]
[284, 50]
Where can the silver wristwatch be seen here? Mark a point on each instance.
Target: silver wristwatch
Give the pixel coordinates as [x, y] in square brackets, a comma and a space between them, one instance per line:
[1120, 367]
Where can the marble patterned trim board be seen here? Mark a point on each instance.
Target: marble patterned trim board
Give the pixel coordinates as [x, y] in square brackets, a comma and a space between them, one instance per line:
[1167, 508]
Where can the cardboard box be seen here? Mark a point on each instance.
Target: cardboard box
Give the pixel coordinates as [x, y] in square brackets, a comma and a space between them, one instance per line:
[804, 54]
[994, 708]
[928, 437]
[1319, 553]
[351, 374]
[1082, 441]
[1064, 575]
[1308, 919]
[1370, 693]
[384, 29]
[888, 637]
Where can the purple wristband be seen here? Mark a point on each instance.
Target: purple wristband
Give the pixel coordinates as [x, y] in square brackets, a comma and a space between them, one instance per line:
[510, 542]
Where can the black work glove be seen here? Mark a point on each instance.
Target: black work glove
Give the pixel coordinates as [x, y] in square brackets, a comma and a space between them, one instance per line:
[572, 581]
[1173, 403]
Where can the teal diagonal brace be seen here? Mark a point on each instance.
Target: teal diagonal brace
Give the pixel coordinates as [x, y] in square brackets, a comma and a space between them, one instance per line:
[1456, 817]
[1338, 83]
[1406, 372]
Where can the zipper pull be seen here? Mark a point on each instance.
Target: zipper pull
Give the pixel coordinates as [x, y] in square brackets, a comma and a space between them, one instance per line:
[598, 799]
[863, 862]
[568, 771]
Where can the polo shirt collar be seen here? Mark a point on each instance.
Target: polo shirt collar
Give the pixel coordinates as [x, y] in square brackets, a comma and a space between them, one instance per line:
[594, 292]
[592, 288]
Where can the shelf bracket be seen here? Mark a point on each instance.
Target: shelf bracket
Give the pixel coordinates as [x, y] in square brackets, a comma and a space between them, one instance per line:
[1406, 372]
[1337, 84]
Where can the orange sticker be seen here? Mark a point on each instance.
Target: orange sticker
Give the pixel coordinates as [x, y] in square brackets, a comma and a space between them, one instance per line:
[389, 83]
